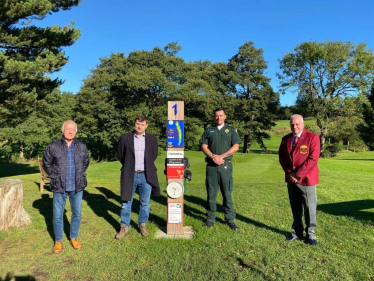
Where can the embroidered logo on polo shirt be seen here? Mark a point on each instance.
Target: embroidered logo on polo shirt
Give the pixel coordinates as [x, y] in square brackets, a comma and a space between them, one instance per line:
[227, 131]
[303, 149]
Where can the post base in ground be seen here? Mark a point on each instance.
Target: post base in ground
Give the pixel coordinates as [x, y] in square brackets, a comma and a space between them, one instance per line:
[188, 233]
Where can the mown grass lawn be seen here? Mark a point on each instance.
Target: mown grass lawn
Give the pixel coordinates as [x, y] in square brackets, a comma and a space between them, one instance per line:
[256, 252]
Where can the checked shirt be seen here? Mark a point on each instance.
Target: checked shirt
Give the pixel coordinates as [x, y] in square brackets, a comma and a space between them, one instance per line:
[70, 168]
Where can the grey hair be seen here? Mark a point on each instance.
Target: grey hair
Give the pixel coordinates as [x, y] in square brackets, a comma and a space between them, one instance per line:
[297, 115]
[63, 125]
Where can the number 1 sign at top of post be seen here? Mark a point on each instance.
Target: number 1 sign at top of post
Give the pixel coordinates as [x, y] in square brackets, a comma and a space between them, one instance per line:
[175, 106]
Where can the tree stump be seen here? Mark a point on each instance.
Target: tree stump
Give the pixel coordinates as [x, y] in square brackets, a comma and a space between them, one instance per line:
[12, 213]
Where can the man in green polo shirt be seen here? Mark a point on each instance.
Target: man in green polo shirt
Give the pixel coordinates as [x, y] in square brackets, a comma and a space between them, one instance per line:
[219, 143]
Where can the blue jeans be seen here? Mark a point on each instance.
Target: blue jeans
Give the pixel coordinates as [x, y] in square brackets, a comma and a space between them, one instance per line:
[144, 195]
[59, 200]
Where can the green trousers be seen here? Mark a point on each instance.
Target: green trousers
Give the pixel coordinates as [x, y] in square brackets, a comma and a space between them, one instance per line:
[219, 177]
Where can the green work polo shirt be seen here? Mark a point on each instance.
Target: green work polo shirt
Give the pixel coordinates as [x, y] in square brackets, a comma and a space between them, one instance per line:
[219, 141]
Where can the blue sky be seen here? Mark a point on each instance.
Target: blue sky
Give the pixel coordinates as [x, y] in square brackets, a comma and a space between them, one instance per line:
[208, 30]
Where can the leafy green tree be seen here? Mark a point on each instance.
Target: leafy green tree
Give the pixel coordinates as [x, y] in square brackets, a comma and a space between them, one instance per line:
[28, 53]
[55, 109]
[285, 112]
[366, 128]
[323, 74]
[29, 138]
[342, 129]
[122, 87]
[259, 104]
[23, 140]
[205, 88]
[99, 116]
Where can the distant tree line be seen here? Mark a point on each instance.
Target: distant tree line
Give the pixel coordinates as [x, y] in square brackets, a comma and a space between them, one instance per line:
[331, 79]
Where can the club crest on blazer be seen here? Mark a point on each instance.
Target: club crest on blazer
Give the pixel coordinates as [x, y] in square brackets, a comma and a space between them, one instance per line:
[303, 149]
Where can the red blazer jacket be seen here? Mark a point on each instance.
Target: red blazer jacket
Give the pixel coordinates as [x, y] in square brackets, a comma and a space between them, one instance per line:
[301, 160]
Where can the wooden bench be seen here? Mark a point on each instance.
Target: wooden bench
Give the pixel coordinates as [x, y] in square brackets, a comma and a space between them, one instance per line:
[43, 174]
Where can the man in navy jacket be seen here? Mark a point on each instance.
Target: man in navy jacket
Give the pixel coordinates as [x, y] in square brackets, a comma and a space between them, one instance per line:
[66, 161]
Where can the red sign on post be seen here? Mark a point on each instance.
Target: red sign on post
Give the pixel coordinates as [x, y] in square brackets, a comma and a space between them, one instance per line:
[175, 171]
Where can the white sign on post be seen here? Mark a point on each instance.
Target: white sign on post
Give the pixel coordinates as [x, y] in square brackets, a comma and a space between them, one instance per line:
[174, 213]
[175, 154]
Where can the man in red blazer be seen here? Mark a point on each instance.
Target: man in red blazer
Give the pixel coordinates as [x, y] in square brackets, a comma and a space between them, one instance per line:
[137, 152]
[299, 152]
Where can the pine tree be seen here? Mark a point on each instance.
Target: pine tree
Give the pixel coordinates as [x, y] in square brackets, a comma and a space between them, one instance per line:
[28, 54]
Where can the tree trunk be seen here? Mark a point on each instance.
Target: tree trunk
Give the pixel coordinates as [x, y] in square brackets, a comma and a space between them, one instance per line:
[31, 152]
[322, 125]
[246, 144]
[88, 143]
[12, 213]
[322, 138]
[21, 150]
[323, 135]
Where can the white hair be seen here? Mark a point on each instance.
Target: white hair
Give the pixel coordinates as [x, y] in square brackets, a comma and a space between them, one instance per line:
[63, 125]
[297, 115]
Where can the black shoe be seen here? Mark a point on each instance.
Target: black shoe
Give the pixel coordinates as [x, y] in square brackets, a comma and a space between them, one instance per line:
[208, 224]
[233, 226]
[312, 242]
[291, 238]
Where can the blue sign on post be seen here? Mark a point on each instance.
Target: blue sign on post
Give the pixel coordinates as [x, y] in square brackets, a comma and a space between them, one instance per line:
[175, 133]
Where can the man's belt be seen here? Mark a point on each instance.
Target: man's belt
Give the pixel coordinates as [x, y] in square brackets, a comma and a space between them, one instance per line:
[139, 172]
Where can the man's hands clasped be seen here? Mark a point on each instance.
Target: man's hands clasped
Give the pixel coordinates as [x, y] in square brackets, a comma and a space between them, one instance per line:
[293, 177]
[218, 159]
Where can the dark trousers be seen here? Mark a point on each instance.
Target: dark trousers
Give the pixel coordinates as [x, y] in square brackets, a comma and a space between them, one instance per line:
[303, 197]
[219, 177]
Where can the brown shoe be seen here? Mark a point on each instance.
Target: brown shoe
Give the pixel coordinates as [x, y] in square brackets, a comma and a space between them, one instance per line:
[143, 229]
[124, 230]
[75, 243]
[57, 248]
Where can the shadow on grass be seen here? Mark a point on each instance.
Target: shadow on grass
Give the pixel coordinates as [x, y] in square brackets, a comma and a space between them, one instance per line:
[200, 215]
[251, 265]
[45, 207]
[15, 169]
[353, 209]
[11, 277]
[46, 187]
[101, 206]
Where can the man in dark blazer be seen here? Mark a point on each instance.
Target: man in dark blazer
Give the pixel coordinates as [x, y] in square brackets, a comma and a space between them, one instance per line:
[137, 152]
[299, 152]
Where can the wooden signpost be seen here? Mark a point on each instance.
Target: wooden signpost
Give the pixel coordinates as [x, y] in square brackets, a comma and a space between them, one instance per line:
[175, 167]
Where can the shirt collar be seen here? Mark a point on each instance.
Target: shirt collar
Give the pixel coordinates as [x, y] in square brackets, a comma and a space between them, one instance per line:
[298, 135]
[64, 141]
[220, 127]
[135, 136]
